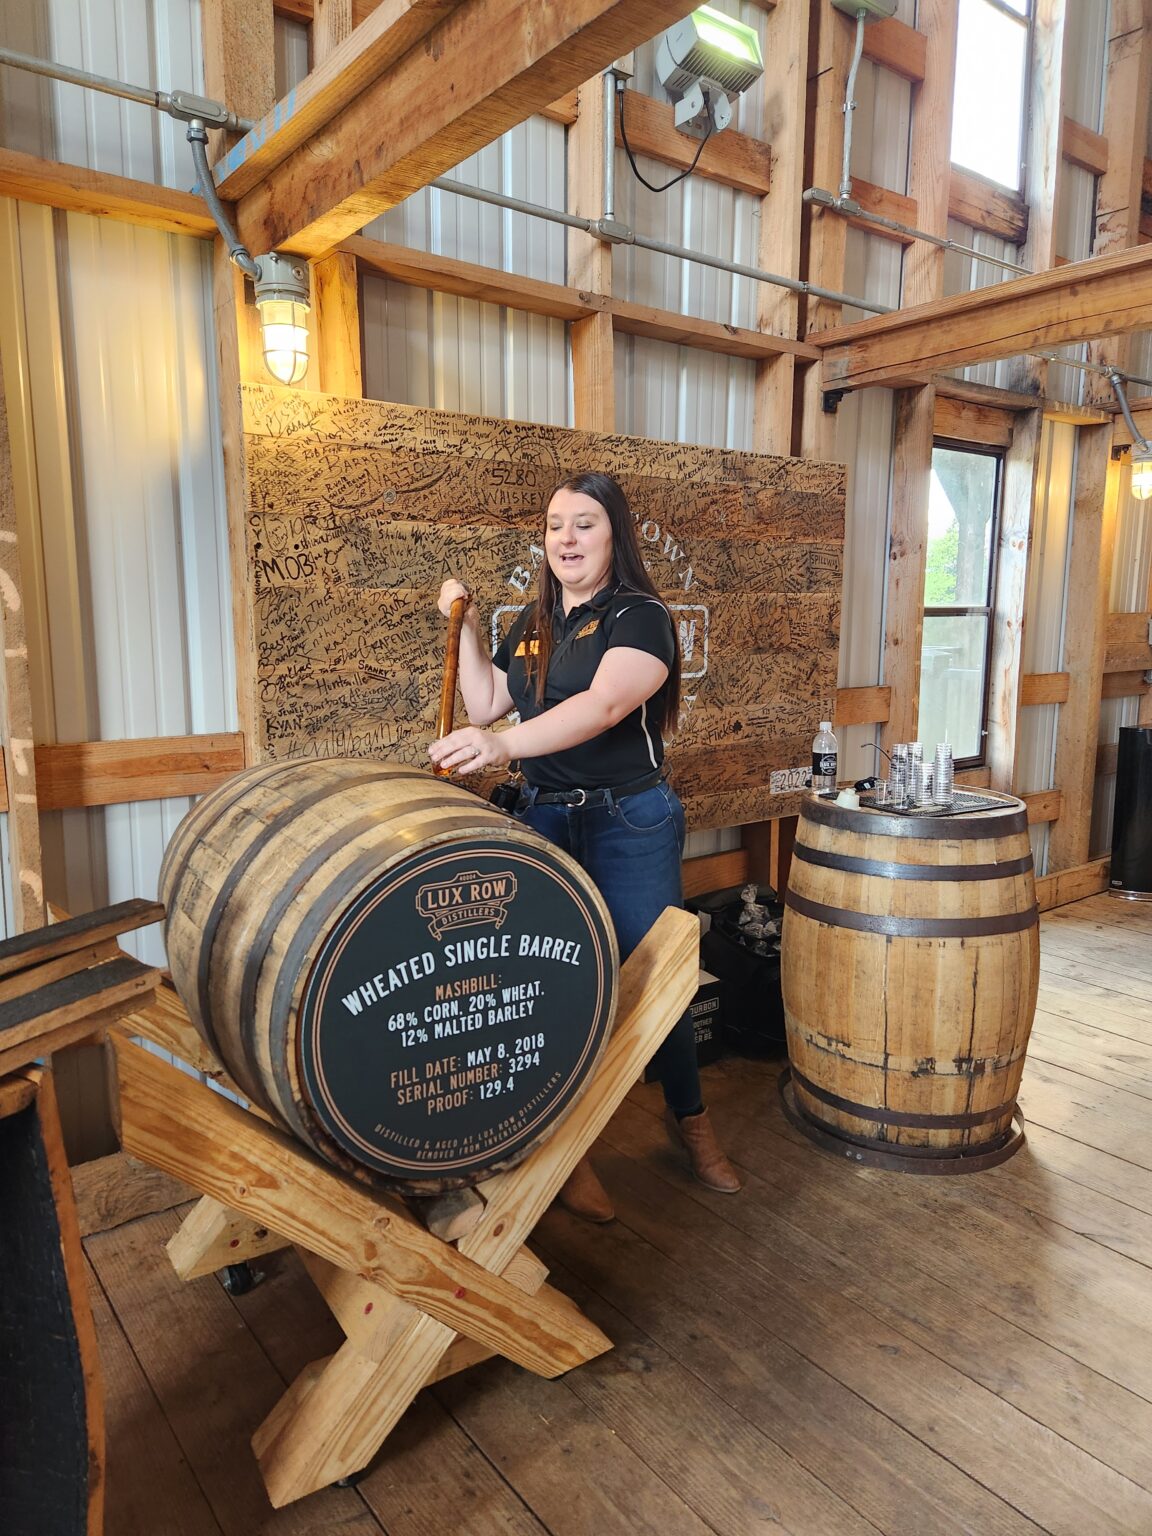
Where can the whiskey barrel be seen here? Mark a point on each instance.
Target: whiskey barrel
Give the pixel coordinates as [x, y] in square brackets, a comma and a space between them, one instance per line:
[413, 984]
[910, 962]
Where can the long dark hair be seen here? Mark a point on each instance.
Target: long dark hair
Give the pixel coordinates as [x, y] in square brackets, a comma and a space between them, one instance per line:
[627, 571]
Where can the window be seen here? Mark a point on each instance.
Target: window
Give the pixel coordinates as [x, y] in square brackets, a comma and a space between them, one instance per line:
[991, 72]
[963, 511]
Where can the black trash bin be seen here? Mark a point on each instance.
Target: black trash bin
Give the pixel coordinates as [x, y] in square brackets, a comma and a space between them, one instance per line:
[1131, 873]
[753, 1019]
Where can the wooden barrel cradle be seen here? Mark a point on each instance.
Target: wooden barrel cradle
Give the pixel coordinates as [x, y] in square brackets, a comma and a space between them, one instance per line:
[909, 968]
[413, 984]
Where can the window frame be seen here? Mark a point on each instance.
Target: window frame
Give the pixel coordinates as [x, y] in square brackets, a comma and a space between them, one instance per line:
[1024, 140]
[965, 610]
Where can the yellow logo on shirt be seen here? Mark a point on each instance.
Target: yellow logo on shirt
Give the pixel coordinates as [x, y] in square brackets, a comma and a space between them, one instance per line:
[589, 629]
[528, 648]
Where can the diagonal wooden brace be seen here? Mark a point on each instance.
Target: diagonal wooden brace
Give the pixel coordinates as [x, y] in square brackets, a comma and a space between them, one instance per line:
[178, 1124]
[338, 1413]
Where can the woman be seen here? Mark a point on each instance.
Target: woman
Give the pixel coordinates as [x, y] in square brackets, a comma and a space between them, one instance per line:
[593, 668]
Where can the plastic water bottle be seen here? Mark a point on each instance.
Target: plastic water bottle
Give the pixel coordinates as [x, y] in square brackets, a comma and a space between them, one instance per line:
[824, 757]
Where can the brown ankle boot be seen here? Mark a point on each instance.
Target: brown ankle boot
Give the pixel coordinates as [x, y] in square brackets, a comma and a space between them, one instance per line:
[584, 1195]
[709, 1165]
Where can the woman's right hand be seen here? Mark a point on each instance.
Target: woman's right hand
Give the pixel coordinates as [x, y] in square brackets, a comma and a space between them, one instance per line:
[450, 592]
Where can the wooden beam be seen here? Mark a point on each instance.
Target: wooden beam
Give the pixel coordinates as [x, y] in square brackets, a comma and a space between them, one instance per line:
[336, 328]
[1043, 805]
[862, 706]
[444, 274]
[1021, 463]
[714, 872]
[1095, 493]
[1044, 688]
[334, 83]
[84, 773]
[929, 162]
[1083, 147]
[965, 422]
[1103, 296]
[112, 1190]
[898, 47]
[78, 190]
[889, 205]
[304, 10]
[1066, 885]
[24, 856]
[781, 218]
[907, 552]
[254, 1169]
[734, 159]
[590, 260]
[239, 60]
[1125, 685]
[987, 207]
[485, 68]
[1126, 639]
[332, 23]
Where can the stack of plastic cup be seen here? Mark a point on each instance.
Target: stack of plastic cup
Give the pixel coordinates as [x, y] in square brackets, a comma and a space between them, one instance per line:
[943, 774]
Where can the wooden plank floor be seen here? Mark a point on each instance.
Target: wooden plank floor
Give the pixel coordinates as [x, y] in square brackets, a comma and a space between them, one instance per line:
[834, 1352]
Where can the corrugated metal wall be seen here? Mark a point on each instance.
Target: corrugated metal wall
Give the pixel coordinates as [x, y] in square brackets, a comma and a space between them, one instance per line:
[109, 330]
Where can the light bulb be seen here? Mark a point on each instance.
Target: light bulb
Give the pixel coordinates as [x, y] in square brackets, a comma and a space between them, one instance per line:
[282, 299]
[284, 337]
[1141, 486]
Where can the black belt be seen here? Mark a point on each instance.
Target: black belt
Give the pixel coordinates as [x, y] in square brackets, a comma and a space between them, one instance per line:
[596, 797]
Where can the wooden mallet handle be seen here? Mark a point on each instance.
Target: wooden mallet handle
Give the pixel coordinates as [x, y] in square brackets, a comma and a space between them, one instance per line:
[448, 685]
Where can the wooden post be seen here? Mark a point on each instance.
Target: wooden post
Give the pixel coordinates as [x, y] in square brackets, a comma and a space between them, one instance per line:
[928, 173]
[1020, 466]
[331, 24]
[336, 324]
[778, 310]
[829, 59]
[1089, 578]
[239, 61]
[590, 262]
[19, 757]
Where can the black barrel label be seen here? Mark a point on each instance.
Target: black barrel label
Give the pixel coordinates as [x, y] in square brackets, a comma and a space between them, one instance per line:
[454, 1009]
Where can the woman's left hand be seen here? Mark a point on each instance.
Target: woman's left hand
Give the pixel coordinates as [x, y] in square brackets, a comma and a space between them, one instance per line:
[470, 750]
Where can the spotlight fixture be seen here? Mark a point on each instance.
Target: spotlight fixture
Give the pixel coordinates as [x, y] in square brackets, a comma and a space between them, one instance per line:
[1141, 484]
[280, 281]
[705, 59]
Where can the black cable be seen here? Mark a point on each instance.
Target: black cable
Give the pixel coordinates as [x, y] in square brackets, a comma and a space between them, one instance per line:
[632, 158]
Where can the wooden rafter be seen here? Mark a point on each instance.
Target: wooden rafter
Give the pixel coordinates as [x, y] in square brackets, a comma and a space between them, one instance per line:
[480, 71]
[1108, 295]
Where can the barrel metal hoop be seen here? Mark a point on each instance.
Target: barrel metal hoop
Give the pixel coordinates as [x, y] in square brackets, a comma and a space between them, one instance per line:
[885, 1116]
[222, 802]
[238, 870]
[944, 828]
[887, 871]
[872, 1155]
[313, 923]
[913, 927]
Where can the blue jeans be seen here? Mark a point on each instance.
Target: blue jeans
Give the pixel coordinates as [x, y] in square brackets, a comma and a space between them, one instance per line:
[632, 852]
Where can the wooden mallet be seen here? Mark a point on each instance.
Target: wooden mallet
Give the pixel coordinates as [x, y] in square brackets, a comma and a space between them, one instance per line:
[448, 685]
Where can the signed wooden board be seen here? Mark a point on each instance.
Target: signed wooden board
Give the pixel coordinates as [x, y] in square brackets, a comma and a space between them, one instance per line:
[359, 509]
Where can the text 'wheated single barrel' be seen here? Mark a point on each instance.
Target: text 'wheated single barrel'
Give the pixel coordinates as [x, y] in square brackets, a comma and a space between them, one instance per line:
[411, 982]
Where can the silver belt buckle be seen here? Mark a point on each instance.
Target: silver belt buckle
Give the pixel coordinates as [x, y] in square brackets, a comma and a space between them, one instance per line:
[583, 800]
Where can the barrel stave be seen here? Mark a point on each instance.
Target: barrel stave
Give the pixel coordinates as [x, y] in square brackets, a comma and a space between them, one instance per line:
[928, 1026]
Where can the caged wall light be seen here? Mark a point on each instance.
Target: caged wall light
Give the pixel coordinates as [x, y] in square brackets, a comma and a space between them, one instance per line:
[704, 60]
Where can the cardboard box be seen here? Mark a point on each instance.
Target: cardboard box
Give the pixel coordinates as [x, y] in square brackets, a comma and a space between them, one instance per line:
[707, 1009]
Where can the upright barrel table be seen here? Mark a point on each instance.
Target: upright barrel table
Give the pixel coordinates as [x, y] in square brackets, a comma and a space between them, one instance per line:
[909, 968]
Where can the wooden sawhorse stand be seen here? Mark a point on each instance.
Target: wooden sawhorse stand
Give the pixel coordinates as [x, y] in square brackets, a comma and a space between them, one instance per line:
[414, 1307]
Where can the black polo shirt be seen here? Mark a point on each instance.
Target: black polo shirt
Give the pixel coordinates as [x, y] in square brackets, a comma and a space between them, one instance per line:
[633, 746]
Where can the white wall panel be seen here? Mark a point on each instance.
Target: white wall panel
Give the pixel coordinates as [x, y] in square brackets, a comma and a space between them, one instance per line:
[152, 43]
